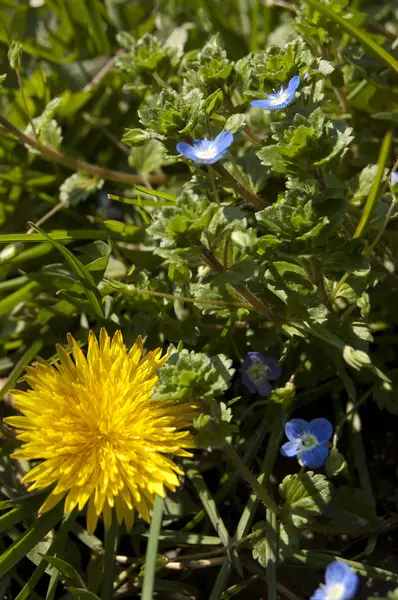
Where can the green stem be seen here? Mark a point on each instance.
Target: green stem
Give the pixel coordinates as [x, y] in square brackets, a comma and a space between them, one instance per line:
[240, 189]
[271, 553]
[20, 85]
[110, 547]
[78, 165]
[152, 549]
[251, 479]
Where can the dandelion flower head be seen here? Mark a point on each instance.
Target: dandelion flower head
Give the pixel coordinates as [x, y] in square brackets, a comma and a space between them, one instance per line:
[101, 437]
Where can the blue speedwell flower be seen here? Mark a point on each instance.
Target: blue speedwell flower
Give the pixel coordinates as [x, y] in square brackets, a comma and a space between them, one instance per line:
[308, 441]
[394, 178]
[279, 99]
[341, 583]
[257, 370]
[207, 151]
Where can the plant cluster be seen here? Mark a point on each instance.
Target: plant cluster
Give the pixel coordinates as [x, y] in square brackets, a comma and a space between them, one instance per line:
[218, 179]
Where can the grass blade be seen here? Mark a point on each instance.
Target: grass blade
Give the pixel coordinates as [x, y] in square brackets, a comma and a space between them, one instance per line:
[84, 275]
[62, 235]
[29, 539]
[208, 503]
[17, 371]
[376, 186]
[25, 293]
[363, 38]
[55, 547]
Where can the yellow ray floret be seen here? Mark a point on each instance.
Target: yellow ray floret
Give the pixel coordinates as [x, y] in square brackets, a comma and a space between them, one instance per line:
[100, 435]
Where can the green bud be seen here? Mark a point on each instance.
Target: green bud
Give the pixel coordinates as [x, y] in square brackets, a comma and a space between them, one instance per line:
[14, 55]
[335, 464]
[357, 359]
[136, 137]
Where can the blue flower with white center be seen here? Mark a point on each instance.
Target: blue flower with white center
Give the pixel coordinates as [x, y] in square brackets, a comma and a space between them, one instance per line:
[279, 99]
[341, 583]
[207, 151]
[394, 178]
[308, 441]
[257, 371]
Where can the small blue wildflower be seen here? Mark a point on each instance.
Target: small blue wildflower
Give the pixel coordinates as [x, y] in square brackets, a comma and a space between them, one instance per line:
[341, 583]
[308, 441]
[257, 370]
[394, 178]
[279, 99]
[207, 151]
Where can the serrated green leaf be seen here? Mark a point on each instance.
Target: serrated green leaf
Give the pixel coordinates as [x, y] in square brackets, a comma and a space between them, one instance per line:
[78, 187]
[306, 495]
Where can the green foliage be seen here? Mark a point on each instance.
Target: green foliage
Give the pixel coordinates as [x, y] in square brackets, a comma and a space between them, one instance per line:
[306, 495]
[309, 141]
[286, 246]
[192, 377]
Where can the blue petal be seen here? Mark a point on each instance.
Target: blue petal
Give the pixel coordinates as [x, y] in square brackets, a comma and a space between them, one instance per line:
[315, 457]
[285, 103]
[247, 382]
[186, 150]
[275, 373]
[394, 177]
[339, 572]
[223, 140]
[253, 358]
[264, 389]
[293, 84]
[266, 104]
[322, 429]
[296, 428]
[319, 594]
[291, 448]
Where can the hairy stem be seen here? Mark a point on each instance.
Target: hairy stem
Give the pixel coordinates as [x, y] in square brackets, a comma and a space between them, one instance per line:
[78, 165]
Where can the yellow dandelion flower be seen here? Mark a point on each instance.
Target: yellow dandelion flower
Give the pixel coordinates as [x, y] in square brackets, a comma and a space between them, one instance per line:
[100, 435]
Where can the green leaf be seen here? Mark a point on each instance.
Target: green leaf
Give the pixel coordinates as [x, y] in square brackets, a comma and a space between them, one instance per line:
[213, 102]
[335, 464]
[376, 186]
[306, 495]
[151, 552]
[29, 539]
[82, 593]
[160, 562]
[235, 123]
[78, 187]
[148, 157]
[84, 275]
[136, 137]
[193, 375]
[14, 55]
[25, 293]
[18, 369]
[70, 574]
[16, 515]
[363, 38]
